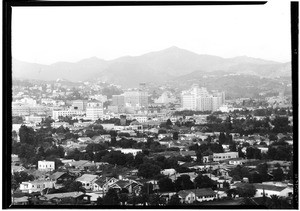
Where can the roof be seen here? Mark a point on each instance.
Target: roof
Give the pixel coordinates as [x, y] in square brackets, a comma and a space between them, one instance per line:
[17, 168]
[122, 183]
[188, 153]
[78, 163]
[268, 187]
[21, 199]
[56, 175]
[198, 192]
[183, 193]
[63, 195]
[87, 177]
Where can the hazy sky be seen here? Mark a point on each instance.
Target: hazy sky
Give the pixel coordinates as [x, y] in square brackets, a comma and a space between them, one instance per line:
[51, 34]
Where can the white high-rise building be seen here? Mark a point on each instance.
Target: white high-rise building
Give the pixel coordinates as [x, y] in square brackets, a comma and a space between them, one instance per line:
[94, 110]
[199, 99]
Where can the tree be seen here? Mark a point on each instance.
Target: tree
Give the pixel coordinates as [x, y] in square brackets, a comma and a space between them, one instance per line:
[239, 172]
[199, 156]
[246, 190]
[278, 174]
[204, 182]
[71, 186]
[111, 197]
[175, 135]
[148, 170]
[183, 183]
[232, 147]
[165, 185]
[169, 123]
[123, 198]
[99, 201]
[253, 153]
[263, 171]
[27, 135]
[19, 177]
[154, 200]
[175, 200]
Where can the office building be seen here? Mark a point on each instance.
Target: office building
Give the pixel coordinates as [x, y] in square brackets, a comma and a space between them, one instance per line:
[94, 110]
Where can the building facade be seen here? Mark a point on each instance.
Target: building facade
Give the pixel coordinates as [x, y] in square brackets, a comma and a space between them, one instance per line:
[94, 110]
[44, 165]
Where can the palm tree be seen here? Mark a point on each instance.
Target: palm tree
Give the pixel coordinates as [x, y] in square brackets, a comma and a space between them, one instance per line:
[274, 202]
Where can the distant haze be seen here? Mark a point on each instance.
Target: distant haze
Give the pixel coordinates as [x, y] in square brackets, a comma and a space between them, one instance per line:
[47, 35]
[168, 64]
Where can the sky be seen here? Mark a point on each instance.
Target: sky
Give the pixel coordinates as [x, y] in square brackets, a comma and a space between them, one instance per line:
[47, 35]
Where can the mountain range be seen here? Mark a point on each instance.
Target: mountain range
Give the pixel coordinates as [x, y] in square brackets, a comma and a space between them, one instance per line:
[169, 64]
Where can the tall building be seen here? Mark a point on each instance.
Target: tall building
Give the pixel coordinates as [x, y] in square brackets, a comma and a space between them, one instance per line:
[165, 98]
[94, 110]
[201, 100]
[136, 98]
[79, 104]
[118, 100]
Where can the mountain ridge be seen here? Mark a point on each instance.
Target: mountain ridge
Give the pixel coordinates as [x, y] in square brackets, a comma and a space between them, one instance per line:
[157, 66]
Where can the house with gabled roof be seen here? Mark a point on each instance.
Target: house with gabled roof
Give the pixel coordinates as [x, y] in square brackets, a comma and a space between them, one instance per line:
[103, 183]
[78, 197]
[36, 185]
[87, 180]
[270, 190]
[60, 177]
[200, 195]
[85, 140]
[15, 169]
[131, 185]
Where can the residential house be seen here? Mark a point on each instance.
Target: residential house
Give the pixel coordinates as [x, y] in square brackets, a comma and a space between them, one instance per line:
[103, 183]
[189, 153]
[44, 165]
[200, 195]
[87, 180]
[129, 151]
[36, 185]
[85, 140]
[60, 177]
[168, 172]
[270, 190]
[20, 200]
[15, 169]
[80, 164]
[237, 161]
[224, 156]
[79, 197]
[15, 160]
[131, 186]
[186, 196]
[192, 176]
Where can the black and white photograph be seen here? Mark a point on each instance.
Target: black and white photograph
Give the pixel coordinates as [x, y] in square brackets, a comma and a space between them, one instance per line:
[139, 105]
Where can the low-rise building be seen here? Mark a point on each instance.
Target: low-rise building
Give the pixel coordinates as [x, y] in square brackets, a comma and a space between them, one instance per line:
[200, 195]
[36, 185]
[129, 151]
[270, 190]
[87, 180]
[224, 156]
[44, 165]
